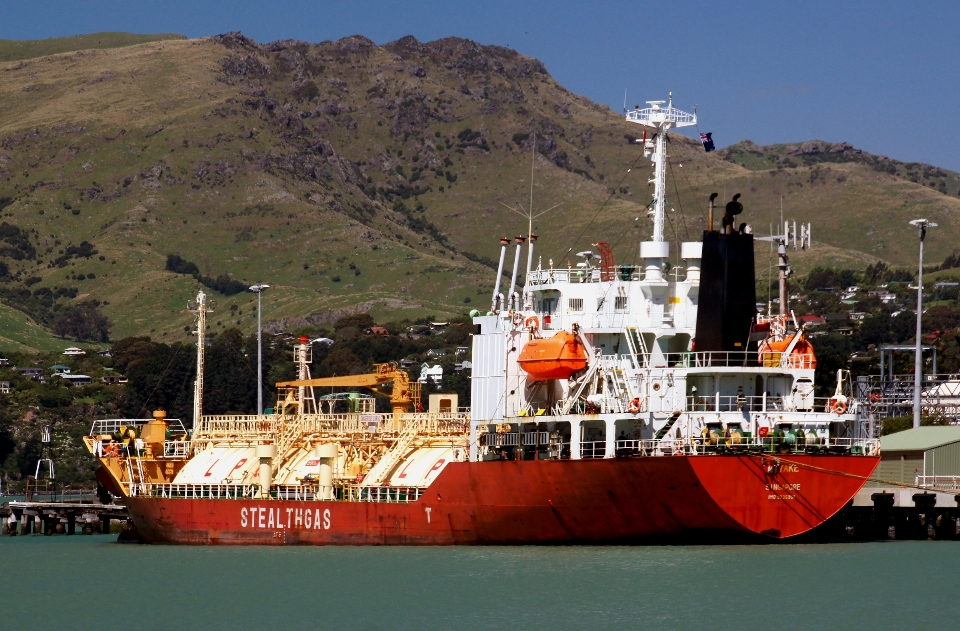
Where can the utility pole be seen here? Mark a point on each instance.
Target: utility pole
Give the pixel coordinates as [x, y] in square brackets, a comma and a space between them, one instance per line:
[922, 225]
[259, 289]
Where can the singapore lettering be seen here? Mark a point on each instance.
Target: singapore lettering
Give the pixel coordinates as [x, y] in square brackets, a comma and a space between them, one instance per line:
[276, 518]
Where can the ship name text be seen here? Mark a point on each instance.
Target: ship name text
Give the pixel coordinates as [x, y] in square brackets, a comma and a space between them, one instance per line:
[277, 518]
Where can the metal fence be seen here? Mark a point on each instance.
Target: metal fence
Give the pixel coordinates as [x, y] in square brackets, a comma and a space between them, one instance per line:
[892, 395]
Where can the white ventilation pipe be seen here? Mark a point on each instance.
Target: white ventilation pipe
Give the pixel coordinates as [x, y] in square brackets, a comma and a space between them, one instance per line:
[513, 279]
[496, 305]
[266, 454]
[327, 454]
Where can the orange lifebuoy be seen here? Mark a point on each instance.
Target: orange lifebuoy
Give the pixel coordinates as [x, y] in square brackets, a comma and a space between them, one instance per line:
[837, 406]
[875, 397]
[634, 406]
[532, 323]
[111, 450]
[678, 448]
[517, 318]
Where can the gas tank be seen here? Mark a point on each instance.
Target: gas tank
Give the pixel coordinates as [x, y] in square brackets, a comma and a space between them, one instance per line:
[555, 357]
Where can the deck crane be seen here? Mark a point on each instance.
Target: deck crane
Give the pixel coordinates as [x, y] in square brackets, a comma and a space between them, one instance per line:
[403, 393]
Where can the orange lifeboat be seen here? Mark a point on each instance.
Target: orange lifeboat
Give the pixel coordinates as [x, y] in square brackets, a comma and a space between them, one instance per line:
[802, 355]
[555, 357]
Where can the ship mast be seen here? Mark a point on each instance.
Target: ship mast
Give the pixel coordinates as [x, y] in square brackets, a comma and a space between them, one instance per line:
[659, 119]
[199, 307]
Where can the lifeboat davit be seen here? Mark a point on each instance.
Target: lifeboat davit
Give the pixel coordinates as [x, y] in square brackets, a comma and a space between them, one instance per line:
[555, 357]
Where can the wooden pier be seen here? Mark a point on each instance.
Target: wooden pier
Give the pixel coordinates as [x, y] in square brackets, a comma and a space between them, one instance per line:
[54, 509]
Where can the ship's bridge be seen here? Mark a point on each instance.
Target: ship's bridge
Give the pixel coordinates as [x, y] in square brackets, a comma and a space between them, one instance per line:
[609, 300]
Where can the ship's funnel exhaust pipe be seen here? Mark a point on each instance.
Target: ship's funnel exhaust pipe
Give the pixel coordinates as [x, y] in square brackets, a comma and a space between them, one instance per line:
[494, 306]
[511, 302]
[713, 196]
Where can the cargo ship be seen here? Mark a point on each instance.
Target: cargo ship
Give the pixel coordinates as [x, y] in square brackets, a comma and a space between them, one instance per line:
[609, 404]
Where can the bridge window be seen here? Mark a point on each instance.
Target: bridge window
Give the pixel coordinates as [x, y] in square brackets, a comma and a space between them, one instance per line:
[620, 304]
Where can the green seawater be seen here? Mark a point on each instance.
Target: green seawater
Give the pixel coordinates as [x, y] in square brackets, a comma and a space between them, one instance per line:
[90, 582]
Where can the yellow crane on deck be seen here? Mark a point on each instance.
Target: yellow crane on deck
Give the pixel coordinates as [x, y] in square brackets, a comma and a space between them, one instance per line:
[403, 394]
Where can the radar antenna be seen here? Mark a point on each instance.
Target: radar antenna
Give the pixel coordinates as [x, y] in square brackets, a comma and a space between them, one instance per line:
[660, 119]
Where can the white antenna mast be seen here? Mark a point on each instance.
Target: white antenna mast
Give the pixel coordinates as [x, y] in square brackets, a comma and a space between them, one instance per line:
[659, 119]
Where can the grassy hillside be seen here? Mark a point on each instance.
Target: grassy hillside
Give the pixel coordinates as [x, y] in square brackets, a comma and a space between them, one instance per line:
[17, 49]
[351, 176]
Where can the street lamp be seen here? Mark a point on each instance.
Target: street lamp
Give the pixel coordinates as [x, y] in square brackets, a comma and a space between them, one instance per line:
[259, 289]
[922, 225]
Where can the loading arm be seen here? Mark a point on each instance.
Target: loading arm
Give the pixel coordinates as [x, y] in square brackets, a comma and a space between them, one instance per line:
[404, 391]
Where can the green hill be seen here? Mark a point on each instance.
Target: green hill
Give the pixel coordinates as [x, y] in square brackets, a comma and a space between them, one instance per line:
[351, 176]
[17, 49]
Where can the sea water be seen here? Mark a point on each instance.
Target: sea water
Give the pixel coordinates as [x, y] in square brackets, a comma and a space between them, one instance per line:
[91, 582]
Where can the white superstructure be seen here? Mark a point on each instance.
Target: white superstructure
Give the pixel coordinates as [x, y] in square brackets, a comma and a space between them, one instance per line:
[644, 388]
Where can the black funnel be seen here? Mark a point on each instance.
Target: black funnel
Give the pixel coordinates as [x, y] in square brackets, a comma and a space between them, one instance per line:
[728, 296]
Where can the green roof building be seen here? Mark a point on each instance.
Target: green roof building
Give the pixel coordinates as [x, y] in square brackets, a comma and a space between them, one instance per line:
[929, 456]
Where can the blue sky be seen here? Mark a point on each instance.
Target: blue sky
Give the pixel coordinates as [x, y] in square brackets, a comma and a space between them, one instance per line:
[884, 76]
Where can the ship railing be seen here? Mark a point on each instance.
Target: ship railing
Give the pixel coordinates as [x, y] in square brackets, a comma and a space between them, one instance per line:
[297, 492]
[269, 426]
[514, 439]
[593, 449]
[176, 448]
[783, 403]
[746, 444]
[197, 491]
[500, 440]
[392, 494]
[951, 482]
[233, 425]
[113, 425]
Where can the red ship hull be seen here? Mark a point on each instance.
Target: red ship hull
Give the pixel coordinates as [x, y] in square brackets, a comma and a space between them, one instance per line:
[623, 500]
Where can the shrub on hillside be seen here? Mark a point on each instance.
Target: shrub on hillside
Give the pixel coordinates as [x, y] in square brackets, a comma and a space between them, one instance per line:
[83, 322]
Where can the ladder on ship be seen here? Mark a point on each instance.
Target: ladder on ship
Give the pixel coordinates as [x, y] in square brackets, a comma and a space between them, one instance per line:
[392, 458]
[635, 343]
[134, 474]
[662, 432]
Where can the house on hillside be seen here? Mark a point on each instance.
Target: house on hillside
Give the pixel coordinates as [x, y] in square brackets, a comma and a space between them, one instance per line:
[59, 369]
[34, 374]
[73, 350]
[430, 374]
[810, 320]
[885, 296]
[113, 380]
[376, 330]
[74, 380]
[4, 387]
